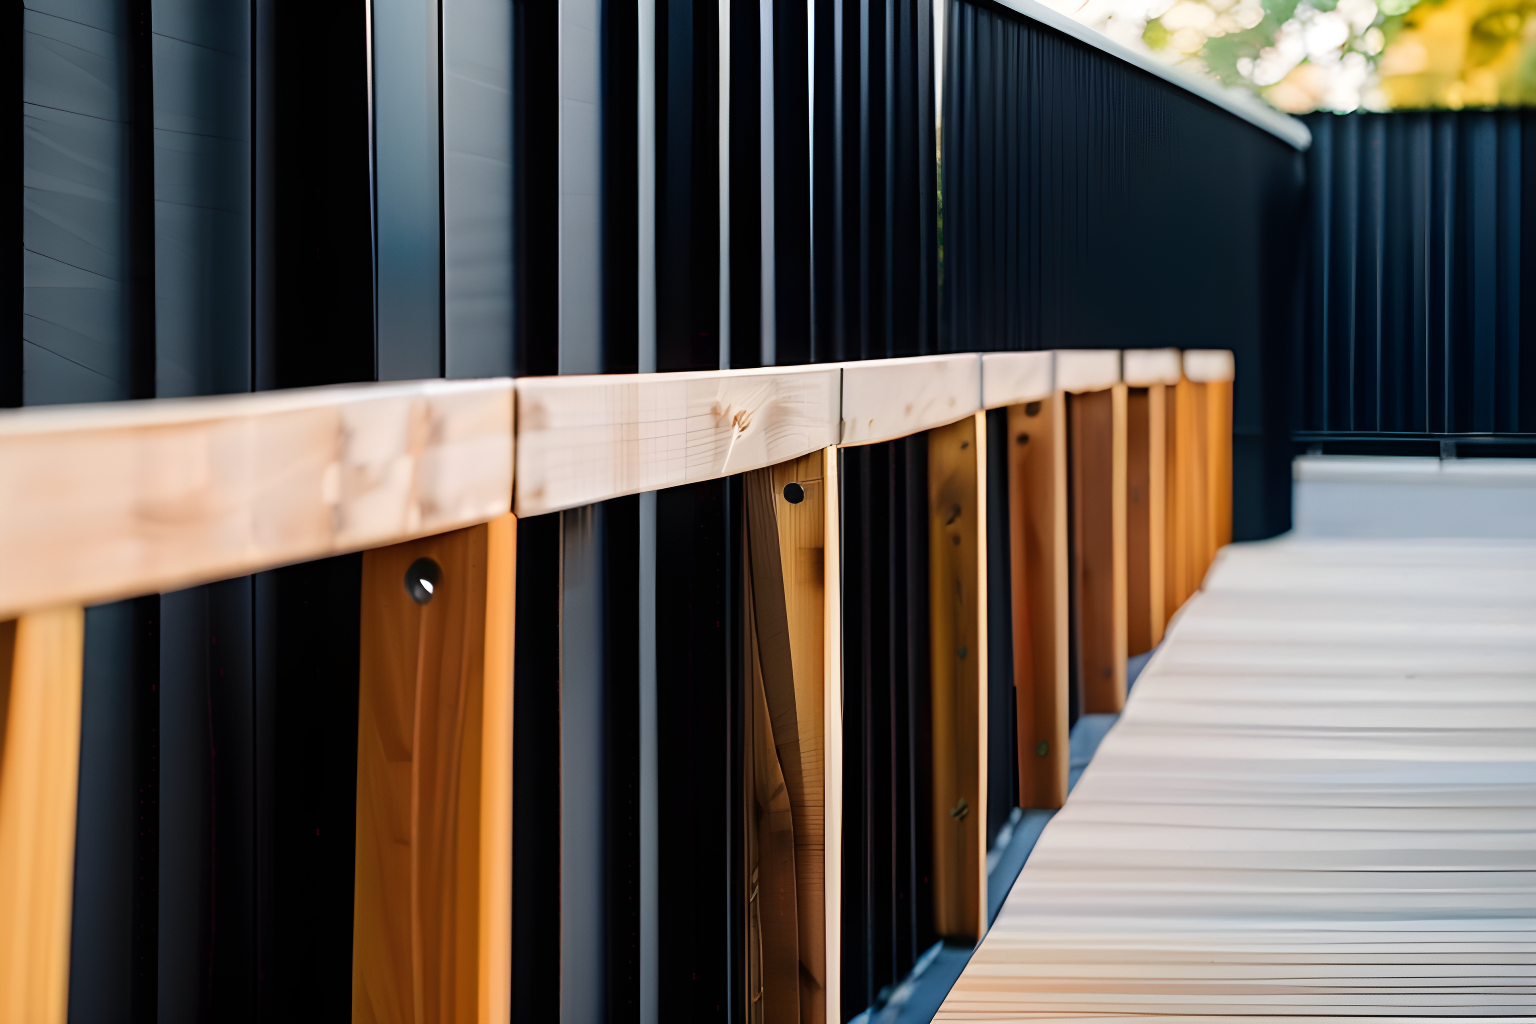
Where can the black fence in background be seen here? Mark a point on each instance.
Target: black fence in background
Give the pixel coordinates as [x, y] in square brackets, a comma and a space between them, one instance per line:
[1090, 204]
[1421, 298]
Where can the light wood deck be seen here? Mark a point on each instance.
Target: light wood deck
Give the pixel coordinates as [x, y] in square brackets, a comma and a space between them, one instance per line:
[1319, 803]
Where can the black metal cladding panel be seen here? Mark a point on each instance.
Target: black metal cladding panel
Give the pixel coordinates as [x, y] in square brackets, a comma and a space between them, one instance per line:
[887, 747]
[1089, 204]
[1421, 313]
[873, 209]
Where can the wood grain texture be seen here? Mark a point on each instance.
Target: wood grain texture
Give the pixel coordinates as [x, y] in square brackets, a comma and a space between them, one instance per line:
[39, 768]
[802, 550]
[1011, 378]
[586, 439]
[956, 642]
[771, 914]
[130, 498]
[1037, 480]
[786, 552]
[1144, 367]
[1146, 458]
[1098, 448]
[1082, 370]
[421, 725]
[884, 399]
[495, 909]
[832, 719]
[1316, 806]
[1188, 531]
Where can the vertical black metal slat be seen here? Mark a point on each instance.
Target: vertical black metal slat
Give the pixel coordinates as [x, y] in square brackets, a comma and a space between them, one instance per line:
[536, 759]
[13, 38]
[887, 911]
[792, 186]
[687, 188]
[698, 715]
[313, 318]
[535, 164]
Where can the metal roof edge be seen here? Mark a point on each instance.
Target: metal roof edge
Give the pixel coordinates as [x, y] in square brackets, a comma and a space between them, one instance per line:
[1234, 101]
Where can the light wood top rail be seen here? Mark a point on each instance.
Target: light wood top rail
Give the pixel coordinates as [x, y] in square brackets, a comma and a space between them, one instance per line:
[1012, 378]
[105, 501]
[884, 399]
[1209, 365]
[1083, 370]
[99, 502]
[1144, 367]
[583, 439]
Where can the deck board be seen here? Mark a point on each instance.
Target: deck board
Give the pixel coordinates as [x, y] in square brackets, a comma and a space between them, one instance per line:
[1320, 801]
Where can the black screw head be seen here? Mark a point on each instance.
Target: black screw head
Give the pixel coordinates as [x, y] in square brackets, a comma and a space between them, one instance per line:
[421, 579]
[1022, 439]
[1032, 409]
[794, 493]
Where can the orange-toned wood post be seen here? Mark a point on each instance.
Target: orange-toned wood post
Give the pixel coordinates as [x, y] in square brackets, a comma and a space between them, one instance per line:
[786, 770]
[1211, 373]
[41, 658]
[1098, 456]
[1037, 504]
[1188, 533]
[432, 911]
[1218, 487]
[958, 648]
[1146, 514]
[832, 718]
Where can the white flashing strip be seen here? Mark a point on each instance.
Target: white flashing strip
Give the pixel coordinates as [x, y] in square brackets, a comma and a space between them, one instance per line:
[1209, 365]
[1144, 367]
[1089, 369]
[885, 399]
[1009, 378]
[1401, 469]
[1234, 101]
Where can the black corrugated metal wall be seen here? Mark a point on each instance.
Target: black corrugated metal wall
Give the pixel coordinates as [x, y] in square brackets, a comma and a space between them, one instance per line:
[1085, 203]
[1421, 294]
[1089, 204]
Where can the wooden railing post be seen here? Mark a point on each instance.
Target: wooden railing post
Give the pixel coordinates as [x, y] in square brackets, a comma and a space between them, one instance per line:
[1037, 503]
[41, 658]
[958, 647]
[785, 769]
[1146, 514]
[1150, 375]
[1098, 425]
[432, 922]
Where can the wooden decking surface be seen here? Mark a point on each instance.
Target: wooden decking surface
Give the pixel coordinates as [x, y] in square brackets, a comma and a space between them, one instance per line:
[1320, 802]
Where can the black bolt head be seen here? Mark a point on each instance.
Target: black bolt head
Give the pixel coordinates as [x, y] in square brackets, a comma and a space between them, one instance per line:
[421, 579]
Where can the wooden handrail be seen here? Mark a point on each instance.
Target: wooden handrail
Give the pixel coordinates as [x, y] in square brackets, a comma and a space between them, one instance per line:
[113, 500]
